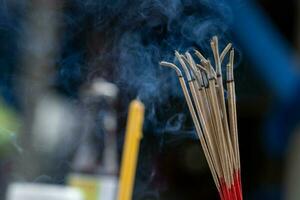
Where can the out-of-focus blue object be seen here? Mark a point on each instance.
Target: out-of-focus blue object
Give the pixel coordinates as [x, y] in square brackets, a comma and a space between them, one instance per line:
[275, 62]
[268, 51]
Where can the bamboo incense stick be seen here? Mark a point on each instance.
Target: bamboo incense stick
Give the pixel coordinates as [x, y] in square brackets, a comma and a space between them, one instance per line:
[220, 93]
[202, 99]
[194, 118]
[225, 51]
[232, 104]
[214, 117]
[192, 82]
[233, 115]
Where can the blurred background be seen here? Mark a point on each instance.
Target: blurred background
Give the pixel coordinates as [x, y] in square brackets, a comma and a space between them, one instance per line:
[69, 68]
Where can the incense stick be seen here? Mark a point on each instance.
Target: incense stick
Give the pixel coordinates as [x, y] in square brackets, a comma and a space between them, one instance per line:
[214, 117]
[194, 118]
[131, 147]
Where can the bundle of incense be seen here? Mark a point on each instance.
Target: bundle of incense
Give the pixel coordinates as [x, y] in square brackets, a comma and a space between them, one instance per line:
[131, 149]
[214, 116]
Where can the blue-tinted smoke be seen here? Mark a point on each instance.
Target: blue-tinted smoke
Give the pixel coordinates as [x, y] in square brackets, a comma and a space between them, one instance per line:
[150, 31]
[123, 41]
[141, 33]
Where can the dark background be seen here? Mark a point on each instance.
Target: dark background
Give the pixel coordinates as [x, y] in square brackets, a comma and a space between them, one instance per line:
[123, 43]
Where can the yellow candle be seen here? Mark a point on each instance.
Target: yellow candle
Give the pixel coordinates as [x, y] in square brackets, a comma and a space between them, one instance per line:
[130, 149]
